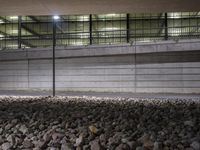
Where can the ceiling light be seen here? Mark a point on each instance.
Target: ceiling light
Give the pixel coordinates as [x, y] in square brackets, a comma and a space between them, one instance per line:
[13, 45]
[1, 21]
[56, 17]
[110, 29]
[84, 18]
[14, 17]
[77, 43]
[14, 31]
[111, 15]
[175, 15]
[1, 35]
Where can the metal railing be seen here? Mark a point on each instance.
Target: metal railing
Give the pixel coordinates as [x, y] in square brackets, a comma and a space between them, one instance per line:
[39, 33]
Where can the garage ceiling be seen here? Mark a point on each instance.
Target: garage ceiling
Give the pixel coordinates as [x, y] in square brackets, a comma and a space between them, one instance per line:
[65, 7]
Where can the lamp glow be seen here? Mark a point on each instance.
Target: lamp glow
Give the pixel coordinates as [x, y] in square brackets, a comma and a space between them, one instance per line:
[56, 17]
[14, 17]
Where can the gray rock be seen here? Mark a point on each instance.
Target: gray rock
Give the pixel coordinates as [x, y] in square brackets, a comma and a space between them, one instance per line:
[8, 126]
[1, 139]
[145, 137]
[94, 145]
[27, 144]
[102, 138]
[67, 146]
[132, 144]
[23, 129]
[14, 121]
[53, 148]
[122, 147]
[189, 123]
[57, 136]
[146, 141]
[93, 129]
[157, 146]
[79, 140]
[195, 145]
[1, 131]
[140, 148]
[11, 139]
[55, 123]
[6, 146]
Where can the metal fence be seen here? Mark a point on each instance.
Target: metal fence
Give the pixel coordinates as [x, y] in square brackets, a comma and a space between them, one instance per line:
[37, 31]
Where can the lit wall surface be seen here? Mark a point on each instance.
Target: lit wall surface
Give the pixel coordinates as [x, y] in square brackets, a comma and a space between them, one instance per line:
[36, 31]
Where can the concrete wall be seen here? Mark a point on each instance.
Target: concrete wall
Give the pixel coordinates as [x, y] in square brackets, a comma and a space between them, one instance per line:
[165, 67]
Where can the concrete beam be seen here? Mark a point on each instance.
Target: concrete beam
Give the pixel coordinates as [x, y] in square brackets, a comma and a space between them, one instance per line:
[107, 50]
[60, 7]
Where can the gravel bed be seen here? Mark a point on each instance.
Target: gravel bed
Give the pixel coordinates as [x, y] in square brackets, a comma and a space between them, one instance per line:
[92, 123]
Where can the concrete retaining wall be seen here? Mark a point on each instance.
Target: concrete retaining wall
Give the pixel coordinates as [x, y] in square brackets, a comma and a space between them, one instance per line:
[166, 67]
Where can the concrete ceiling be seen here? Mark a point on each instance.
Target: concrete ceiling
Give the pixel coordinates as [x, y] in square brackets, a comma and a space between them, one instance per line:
[65, 7]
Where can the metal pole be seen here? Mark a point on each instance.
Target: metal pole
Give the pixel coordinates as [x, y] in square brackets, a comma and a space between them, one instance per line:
[54, 45]
[90, 29]
[166, 27]
[19, 32]
[128, 28]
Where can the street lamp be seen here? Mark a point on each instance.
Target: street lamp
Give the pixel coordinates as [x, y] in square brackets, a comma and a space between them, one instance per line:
[55, 18]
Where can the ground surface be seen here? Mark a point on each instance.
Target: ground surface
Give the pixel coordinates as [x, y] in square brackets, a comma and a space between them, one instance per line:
[102, 94]
[69, 123]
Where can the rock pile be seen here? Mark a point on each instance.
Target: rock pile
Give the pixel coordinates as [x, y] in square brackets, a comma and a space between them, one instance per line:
[90, 123]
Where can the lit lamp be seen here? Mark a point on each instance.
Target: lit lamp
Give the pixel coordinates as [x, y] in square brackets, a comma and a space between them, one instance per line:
[56, 17]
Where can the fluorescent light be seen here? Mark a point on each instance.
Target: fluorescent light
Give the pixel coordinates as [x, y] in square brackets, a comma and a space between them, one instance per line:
[110, 29]
[77, 43]
[146, 40]
[1, 35]
[175, 32]
[84, 18]
[13, 45]
[56, 17]
[84, 35]
[14, 17]
[175, 15]
[111, 15]
[1, 21]
[14, 31]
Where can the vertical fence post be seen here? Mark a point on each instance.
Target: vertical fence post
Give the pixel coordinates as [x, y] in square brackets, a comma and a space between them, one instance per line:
[19, 32]
[127, 28]
[166, 27]
[90, 29]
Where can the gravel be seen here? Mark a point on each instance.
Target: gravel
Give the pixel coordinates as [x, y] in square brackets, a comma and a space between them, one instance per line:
[92, 123]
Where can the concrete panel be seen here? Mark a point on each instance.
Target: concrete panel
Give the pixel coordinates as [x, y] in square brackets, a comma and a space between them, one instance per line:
[171, 65]
[156, 68]
[161, 90]
[47, 85]
[191, 71]
[95, 72]
[105, 78]
[95, 84]
[14, 85]
[14, 66]
[159, 71]
[168, 77]
[13, 78]
[160, 84]
[13, 55]
[96, 89]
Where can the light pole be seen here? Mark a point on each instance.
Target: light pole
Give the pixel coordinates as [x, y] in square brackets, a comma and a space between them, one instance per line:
[55, 19]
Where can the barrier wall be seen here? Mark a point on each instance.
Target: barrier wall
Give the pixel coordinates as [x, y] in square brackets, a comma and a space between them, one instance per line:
[164, 67]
